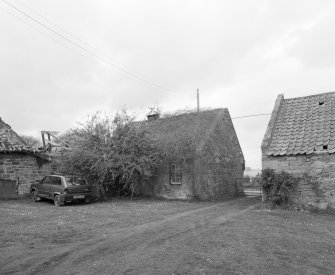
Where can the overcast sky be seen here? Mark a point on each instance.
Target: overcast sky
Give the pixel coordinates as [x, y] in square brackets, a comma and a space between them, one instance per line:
[240, 54]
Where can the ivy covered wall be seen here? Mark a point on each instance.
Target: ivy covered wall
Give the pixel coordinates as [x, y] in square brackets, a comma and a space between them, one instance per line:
[321, 165]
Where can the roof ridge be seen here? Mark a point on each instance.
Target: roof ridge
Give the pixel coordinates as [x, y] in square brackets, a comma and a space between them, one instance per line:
[192, 112]
[312, 95]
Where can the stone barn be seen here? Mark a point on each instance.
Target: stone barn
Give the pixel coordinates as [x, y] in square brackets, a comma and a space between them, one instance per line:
[300, 138]
[20, 165]
[202, 157]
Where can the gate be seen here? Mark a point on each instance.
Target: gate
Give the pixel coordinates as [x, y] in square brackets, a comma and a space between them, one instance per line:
[251, 187]
[8, 189]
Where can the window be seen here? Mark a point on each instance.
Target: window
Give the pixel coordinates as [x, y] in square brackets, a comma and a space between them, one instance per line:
[47, 180]
[75, 181]
[175, 173]
[56, 181]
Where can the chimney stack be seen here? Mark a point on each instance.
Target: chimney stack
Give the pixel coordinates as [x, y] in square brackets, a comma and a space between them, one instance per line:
[153, 114]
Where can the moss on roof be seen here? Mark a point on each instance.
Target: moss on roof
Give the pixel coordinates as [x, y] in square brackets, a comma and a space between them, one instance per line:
[183, 135]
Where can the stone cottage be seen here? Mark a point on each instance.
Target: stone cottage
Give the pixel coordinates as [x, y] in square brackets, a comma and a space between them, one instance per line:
[20, 165]
[202, 157]
[300, 138]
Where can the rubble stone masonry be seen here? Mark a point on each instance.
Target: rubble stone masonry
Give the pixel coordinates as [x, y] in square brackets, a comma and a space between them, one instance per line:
[24, 169]
[320, 164]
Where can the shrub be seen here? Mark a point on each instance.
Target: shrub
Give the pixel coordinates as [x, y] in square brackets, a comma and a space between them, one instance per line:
[111, 152]
[277, 185]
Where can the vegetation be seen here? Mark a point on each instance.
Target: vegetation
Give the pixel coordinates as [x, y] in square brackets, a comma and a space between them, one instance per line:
[180, 133]
[120, 153]
[277, 185]
[244, 238]
[31, 141]
[116, 153]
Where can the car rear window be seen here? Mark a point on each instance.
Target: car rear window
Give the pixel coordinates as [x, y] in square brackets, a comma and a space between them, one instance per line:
[75, 181]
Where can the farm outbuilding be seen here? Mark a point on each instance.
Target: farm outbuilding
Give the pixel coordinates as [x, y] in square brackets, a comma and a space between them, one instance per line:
[300, 138]
[202, 157]
[20, 165]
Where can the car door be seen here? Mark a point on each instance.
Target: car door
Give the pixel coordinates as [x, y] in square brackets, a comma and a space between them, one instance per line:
[56, 187]
[45, 185]
[41, 188]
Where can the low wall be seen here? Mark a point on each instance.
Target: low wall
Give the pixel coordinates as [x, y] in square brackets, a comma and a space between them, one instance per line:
[320, 165]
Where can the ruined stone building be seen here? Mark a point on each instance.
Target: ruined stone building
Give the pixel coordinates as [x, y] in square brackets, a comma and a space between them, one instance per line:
[20, 165]
[300, 138]
[202, 157]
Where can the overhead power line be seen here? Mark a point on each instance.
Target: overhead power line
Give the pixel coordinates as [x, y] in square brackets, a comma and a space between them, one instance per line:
[79, 39]
[251, 116]
[91, 50]
[31, 25]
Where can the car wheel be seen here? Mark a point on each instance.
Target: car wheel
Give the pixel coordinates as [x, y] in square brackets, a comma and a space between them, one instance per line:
[34, 196]
[57, 201]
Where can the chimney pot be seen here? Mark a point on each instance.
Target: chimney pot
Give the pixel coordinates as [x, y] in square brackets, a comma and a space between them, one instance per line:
[153, 115]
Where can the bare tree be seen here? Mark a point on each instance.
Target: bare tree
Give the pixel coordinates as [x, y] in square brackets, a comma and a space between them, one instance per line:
[31, 141]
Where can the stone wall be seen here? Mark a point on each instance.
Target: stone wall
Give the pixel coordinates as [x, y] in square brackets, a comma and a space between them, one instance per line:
[215, 181]
[214, 173]
[159, 185]
[24, 168]
[321, 165]
[221, 164]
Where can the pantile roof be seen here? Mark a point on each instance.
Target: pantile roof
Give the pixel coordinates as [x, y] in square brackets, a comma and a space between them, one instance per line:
[11, 142]
[304, 125]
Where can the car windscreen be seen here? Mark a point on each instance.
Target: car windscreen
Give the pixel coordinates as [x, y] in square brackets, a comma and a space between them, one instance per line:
[73, 181]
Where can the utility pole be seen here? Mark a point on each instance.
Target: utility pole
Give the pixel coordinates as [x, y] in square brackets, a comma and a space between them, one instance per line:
[198, 103]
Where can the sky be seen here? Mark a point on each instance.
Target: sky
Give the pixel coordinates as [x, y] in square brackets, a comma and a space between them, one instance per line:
[63, 60]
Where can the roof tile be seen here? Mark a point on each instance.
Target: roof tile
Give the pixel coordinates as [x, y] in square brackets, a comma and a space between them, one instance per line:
[11, 142]
[303, 125]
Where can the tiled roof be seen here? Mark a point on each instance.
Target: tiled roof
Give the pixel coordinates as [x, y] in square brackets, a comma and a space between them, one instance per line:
[11, 142]
[7, 147]
[304, 125]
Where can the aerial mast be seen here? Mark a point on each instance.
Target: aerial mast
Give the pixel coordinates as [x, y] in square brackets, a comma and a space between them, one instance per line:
[198, 103]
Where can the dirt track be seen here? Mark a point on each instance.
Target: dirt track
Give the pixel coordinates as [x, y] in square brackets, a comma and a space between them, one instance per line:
[156, 239]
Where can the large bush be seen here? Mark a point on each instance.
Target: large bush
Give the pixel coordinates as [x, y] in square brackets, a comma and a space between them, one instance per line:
[113, 152]
[277, 185]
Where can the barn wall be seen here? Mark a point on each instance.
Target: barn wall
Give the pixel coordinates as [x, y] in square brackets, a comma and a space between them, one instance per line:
[217, 167]
[24, 168]
[221, 164]
[159, 185]
[321, 165]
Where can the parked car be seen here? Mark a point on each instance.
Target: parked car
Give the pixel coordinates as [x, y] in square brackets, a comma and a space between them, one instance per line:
[61, 189]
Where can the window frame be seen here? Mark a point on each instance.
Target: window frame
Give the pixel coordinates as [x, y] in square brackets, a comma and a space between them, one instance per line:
[47, 180]
[175, 173]
[57, 181]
